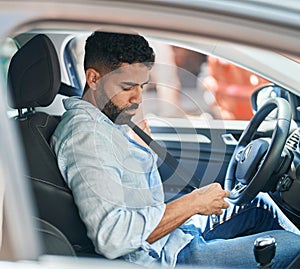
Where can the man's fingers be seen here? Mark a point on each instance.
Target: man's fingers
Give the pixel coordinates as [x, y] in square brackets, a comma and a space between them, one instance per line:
[219, 212]
[225, 204]
[226, 193]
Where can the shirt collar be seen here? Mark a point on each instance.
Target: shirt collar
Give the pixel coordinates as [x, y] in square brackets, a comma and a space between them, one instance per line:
[76, 102]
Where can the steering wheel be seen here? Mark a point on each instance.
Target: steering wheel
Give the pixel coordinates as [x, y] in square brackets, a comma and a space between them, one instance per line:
[254, 160]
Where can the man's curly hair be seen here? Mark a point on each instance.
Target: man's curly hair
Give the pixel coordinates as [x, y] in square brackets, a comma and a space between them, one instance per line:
[107, 51]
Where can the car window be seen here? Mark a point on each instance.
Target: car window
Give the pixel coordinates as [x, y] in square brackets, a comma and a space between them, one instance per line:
[186, 83]
[8, 49]
[74, 54]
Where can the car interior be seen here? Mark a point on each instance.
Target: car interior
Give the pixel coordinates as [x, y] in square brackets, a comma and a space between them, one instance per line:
[34, 80]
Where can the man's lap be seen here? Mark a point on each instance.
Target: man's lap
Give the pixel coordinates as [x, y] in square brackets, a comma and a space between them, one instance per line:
[240, 226]
[260, 215]
[238, 252]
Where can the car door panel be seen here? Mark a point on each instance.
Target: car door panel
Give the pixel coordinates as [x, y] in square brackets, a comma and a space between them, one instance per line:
[207, 160]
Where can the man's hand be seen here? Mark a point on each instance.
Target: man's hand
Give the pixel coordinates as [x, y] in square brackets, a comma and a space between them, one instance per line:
[140, 120]
[207, 200]
[210, 199]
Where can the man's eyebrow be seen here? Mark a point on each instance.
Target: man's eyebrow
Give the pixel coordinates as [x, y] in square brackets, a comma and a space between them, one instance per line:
[129, 83]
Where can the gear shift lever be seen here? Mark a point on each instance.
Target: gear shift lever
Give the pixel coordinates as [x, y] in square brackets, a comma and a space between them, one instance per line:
[264, 251]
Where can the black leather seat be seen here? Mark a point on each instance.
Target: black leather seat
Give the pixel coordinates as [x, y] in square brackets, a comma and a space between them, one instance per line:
[54, 241]
[34, 79]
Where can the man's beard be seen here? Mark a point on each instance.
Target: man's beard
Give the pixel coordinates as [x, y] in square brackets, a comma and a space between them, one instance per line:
[118, 115]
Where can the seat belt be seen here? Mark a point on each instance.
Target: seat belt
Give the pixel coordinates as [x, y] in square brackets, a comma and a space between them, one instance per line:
[165, 156]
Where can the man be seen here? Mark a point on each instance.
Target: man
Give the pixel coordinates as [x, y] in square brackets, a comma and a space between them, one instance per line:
[117, 187]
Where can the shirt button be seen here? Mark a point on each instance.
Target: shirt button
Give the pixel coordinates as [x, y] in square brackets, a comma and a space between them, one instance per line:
[153, 254]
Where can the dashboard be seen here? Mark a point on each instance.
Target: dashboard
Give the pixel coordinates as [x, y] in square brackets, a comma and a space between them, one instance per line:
[289, 183]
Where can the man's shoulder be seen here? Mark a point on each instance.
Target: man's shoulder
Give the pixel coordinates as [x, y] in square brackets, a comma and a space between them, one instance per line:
[78, 120]
[80, 114]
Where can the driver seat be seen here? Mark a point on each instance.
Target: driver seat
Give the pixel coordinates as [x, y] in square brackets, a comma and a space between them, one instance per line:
[34, 79]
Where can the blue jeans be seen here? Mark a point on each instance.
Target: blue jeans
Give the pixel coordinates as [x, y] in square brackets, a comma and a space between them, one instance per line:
[227, 241]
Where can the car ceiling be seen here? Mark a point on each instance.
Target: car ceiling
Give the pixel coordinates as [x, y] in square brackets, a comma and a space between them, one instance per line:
[261, 24]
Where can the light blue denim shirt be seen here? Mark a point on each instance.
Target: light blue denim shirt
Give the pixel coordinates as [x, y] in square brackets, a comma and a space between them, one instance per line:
[116, 186]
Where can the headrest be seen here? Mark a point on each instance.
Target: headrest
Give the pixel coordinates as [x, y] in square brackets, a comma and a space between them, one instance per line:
[34, 74]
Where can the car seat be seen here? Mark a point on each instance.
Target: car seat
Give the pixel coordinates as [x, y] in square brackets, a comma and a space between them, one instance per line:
[34, 80]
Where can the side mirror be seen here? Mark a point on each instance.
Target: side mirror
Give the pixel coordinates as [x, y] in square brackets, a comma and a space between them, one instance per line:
[262, 94]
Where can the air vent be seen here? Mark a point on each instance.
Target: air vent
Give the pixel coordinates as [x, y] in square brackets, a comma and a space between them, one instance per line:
[293, 142]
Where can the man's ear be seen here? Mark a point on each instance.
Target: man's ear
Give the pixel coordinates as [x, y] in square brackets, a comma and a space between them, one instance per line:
[92, 76]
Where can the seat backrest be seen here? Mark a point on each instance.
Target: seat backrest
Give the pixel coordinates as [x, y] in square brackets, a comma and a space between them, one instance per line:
[34, 80]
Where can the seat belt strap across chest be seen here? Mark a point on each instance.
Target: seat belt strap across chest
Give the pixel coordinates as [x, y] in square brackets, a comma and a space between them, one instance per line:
[165, 156]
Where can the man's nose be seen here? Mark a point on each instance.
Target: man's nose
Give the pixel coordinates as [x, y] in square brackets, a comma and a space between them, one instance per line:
[136, 95]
